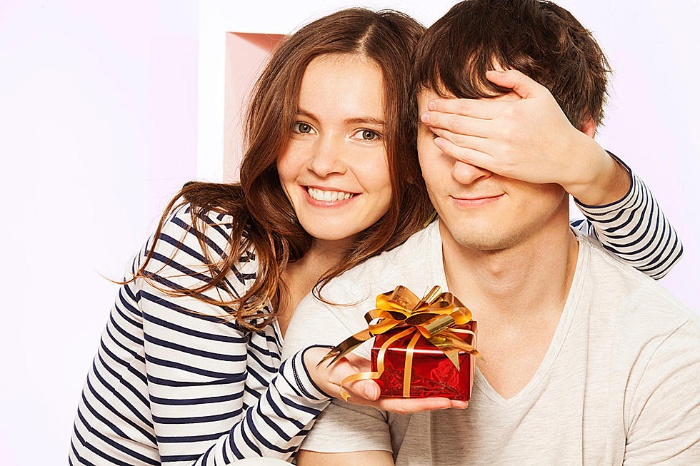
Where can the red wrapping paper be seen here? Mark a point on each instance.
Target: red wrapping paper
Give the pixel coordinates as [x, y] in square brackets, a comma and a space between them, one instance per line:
[424, 347]
[432, 373]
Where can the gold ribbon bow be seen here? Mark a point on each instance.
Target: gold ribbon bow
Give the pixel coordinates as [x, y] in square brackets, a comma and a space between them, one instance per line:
[431, 317]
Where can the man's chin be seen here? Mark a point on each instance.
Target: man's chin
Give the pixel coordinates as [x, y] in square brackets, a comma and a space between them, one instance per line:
[487, 240]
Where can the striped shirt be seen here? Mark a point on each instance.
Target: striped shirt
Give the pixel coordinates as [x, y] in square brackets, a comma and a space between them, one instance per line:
[634, 229]
[176, 382]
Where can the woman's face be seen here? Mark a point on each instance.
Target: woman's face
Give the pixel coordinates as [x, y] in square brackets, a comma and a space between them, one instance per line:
[335, 170]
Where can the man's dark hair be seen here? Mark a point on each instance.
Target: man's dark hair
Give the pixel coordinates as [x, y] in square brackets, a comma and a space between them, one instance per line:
[538, 38]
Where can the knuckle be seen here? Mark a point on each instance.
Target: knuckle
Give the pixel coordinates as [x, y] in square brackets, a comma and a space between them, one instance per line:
[460, 140]
[508, 134]
[453, 122]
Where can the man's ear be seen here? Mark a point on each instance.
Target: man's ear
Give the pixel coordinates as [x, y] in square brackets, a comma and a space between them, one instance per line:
[588, 127]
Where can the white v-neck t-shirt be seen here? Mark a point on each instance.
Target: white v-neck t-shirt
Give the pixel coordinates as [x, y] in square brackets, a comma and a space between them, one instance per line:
[620, 382]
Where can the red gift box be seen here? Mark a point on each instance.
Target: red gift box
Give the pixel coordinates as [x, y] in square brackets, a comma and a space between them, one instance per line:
[423, 347]
[430, 372]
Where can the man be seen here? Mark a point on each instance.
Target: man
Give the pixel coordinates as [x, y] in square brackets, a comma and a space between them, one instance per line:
[586, 361]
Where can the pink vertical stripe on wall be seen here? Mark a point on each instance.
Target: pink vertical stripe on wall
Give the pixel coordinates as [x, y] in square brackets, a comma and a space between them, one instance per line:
[246, 54]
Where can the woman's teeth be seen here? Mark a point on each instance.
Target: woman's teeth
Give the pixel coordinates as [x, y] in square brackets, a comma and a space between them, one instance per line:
[328, 196]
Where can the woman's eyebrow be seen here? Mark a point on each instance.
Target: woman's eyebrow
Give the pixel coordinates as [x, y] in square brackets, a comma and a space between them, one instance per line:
[353, 120]
[367, 120]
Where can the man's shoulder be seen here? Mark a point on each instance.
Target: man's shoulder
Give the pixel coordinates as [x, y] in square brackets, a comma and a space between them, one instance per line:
[632, 296]
[339, 309]
[407, 264]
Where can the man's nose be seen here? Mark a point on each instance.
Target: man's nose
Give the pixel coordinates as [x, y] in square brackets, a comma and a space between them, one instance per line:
[465, 173]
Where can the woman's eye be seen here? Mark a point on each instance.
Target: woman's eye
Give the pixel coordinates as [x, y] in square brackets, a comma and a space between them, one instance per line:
[368, 135]
[302, 128]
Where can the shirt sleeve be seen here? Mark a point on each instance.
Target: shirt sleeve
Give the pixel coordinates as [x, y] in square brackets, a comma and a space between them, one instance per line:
[177, 382]
[634, 229]
[277, 424]
[344, 427]
[663, 416]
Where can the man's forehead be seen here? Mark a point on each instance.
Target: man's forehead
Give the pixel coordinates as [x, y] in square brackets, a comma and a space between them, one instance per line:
[425, 95]
[436, 88]
[426, 92]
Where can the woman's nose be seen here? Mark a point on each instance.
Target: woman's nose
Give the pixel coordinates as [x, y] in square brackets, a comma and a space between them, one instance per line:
[327, 156]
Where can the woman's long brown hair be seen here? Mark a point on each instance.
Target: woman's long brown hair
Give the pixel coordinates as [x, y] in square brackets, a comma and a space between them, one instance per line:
[262, 215]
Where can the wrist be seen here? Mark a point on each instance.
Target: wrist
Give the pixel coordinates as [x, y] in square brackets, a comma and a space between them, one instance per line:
[318, 373]
[601, 179]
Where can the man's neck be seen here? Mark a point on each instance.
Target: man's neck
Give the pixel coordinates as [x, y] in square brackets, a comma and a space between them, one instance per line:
[522, 279]
[517, 296]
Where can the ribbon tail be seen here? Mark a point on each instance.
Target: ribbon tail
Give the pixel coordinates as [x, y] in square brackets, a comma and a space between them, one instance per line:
[346, 346]
[354, 378]
[453, 355]
[380, 365]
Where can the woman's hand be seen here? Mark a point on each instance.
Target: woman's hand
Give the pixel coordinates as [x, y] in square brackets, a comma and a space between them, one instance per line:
[525, 135]
[365, 392]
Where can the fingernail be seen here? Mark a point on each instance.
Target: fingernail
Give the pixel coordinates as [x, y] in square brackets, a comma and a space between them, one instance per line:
[432, 105]
[425, 118]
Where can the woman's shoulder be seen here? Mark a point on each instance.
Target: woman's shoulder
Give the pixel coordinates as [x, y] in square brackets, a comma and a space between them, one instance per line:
[215, 225]
[191, 249]
[194, 234]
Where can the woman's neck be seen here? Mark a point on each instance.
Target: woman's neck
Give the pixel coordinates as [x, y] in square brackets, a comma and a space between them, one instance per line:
[301, 276]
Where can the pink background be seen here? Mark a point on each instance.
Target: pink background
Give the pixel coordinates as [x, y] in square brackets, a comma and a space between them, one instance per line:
[246, 54]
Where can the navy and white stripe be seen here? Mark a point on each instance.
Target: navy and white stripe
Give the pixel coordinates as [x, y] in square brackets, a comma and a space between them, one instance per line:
[174, 378]
[176, 382]
[635, 229]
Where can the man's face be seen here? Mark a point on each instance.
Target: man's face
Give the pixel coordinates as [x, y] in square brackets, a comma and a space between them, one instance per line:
[480, 209]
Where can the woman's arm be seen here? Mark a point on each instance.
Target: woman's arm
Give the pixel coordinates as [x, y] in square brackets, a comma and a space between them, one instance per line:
[634, 228]
[209, 377]
[177, 382]
[276, 424]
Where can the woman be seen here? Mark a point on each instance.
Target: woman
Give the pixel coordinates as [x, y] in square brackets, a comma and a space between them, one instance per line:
[185, 373]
